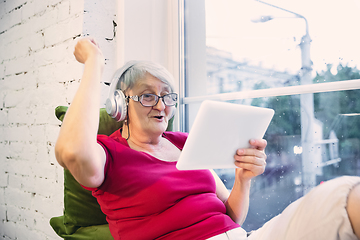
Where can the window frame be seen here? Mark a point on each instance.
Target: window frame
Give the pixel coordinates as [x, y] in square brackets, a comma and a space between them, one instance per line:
[193, 80]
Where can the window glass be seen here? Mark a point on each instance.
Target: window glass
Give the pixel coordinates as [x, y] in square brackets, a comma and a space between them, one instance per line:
[262, 40]
[337, 151]
[234, 47]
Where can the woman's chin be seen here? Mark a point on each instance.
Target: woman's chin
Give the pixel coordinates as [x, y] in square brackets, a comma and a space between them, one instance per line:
[159, 126]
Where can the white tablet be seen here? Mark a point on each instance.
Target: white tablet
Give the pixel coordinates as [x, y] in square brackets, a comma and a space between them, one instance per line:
[220, 129]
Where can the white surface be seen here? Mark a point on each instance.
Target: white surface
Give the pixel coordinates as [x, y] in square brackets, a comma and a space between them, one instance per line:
[220, 129]
[283, 91]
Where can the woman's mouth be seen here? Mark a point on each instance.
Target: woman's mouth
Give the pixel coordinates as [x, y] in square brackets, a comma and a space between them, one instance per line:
[159, 117]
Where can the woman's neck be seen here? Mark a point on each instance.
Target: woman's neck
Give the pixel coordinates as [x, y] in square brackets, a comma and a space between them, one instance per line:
[145, 146]
[161, 149]
[141, 139]
[155, 145]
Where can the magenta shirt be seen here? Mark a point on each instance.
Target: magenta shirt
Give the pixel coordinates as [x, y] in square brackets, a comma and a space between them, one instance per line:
[147, 198]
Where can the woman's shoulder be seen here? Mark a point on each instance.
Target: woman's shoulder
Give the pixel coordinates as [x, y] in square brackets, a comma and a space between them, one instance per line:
[176, 135]
[114, 138]
[177, 138]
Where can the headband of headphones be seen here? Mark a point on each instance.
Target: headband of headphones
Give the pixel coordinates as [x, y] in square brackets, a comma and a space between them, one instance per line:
[116, 102]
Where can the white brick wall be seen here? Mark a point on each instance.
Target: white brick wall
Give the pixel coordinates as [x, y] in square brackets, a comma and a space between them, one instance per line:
[37, 73]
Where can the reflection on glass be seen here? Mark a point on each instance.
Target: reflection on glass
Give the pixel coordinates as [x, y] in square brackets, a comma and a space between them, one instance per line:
[227, 75]
[275, 42]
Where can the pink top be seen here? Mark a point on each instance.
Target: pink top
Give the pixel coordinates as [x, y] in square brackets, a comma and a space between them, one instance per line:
[147, 198]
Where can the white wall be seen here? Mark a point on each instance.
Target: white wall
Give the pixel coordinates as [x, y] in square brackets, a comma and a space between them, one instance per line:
[149, 30]
[38, 72]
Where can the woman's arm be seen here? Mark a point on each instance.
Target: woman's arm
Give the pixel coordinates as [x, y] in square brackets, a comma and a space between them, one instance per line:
[76, 148]
[251, 163]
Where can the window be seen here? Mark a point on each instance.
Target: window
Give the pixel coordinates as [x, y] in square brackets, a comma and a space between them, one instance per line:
[285, 57]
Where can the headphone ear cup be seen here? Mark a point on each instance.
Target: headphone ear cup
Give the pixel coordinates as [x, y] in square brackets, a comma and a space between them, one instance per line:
[120, 105]
[110, 106]
[116, 106]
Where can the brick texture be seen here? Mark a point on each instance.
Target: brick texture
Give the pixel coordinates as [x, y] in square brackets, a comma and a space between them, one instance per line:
[37, 73]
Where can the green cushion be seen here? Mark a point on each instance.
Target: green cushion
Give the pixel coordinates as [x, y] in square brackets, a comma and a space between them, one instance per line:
[81, 209]
[83, 233]
[107, 125]
[82, 217]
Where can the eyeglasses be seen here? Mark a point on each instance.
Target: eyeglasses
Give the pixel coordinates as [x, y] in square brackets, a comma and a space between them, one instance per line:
[150, 100]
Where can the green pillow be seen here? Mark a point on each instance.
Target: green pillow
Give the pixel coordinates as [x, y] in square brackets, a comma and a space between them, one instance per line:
[95, 232]
[83, 218]
[107, 125]
[82, 214]
[81, 209]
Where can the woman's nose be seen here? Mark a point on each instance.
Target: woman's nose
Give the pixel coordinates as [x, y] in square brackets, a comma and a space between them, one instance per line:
[160, 105]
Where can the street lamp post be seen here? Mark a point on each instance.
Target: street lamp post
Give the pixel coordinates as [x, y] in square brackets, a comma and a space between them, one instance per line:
[309, 157]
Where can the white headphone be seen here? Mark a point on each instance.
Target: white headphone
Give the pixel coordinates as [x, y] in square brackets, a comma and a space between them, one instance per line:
[116, 105]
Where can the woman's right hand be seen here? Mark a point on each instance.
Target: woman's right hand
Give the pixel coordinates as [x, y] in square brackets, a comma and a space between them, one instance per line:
[86, 48]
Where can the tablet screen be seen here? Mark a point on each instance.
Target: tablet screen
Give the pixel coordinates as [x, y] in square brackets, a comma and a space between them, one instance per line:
[220, 129]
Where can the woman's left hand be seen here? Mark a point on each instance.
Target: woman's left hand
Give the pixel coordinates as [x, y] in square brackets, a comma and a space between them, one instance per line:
[251, 161]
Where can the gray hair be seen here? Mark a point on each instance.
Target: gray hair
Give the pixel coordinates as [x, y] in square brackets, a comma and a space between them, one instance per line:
[138, 71]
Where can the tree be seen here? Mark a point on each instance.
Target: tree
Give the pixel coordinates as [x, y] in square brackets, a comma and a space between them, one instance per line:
[330, 107]
[338, 112]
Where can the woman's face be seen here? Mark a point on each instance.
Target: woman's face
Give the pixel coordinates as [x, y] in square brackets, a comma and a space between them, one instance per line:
[149, 120]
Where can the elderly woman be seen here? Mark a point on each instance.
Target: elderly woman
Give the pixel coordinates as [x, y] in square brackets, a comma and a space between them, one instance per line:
[132, 173]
